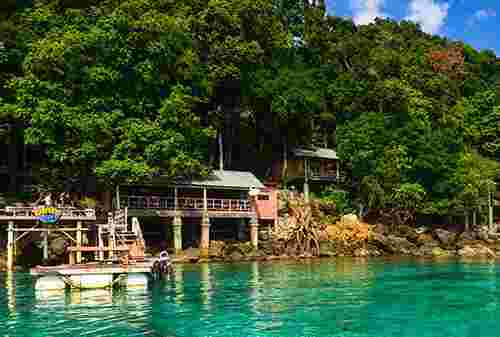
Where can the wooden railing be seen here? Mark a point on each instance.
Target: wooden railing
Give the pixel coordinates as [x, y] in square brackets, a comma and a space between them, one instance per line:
[69, 212]
[152, 202]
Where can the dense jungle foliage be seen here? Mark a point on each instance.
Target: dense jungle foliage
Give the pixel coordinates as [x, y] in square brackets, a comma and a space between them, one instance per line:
[126, 89]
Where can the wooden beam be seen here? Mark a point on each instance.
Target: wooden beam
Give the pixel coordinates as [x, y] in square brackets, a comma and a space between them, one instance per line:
[69, 236]
[34, 218]
[49, 229]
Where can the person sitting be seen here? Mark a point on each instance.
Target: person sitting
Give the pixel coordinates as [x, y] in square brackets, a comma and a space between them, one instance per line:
[165, 262]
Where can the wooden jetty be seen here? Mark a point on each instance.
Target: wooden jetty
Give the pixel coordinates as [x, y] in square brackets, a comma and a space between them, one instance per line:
[118, 252]
[23, 221]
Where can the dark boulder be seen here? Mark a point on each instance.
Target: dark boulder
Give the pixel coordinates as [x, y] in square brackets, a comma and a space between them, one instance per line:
[393, 244]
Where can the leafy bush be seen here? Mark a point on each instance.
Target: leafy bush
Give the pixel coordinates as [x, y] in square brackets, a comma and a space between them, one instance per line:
[341, 199]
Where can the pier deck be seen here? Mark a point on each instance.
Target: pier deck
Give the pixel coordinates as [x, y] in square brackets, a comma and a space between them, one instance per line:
[92, 268]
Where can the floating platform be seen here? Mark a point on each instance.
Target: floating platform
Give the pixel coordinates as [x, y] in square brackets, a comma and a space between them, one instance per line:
[92, 276]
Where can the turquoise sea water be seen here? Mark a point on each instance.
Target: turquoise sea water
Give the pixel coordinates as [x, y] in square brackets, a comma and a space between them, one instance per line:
[345, 297]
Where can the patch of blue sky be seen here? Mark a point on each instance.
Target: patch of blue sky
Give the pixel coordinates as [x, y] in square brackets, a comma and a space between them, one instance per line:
[474, 22]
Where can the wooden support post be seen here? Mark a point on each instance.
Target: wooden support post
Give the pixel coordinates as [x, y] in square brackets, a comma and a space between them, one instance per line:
[205, 203]
[45, 235]
[254, 223]
[100, 243]
[205, 235]
[10, 246]
[177, 224]
[474, 218]
[306, 180]
[111, 241]
[467, 221]
[79, 241]
[177, 228]
[205, 227]
[71, 257]
[254, 232]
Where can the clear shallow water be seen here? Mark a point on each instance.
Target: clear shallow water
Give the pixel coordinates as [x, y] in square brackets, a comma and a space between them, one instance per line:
[315, 298]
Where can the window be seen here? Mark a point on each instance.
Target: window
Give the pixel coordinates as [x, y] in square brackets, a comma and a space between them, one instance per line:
[263, 197]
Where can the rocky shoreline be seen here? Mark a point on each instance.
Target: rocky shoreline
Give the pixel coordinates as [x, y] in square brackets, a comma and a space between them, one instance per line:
[403, 242]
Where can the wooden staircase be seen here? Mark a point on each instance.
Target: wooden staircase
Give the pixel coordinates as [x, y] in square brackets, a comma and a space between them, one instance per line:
[124, 238]
[119, 239]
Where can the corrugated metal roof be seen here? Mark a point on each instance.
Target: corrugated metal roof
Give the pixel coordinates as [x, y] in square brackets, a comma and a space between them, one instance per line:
[316, 153]
[229, 179]
[217, 179]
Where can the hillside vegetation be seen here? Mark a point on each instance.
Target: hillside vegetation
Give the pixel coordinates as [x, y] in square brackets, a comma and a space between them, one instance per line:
[132, 88]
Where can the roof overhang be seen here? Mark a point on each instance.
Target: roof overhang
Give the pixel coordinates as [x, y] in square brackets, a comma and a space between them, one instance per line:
[231, 180]
[321, 153]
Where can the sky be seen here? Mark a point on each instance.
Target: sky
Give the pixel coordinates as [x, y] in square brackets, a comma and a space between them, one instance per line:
[477, 22]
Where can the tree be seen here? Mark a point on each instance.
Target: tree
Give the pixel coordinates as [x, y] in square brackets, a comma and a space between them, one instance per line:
[112, 94]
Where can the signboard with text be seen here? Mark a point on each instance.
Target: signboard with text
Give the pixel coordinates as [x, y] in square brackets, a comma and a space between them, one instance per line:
[48, 215]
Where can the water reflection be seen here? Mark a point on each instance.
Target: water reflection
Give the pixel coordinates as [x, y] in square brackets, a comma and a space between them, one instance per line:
[205, 284]
[90, 297]
[11, 292]
[179, 283]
